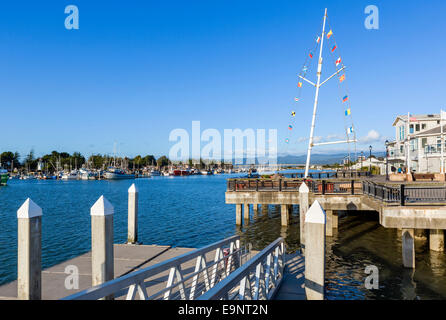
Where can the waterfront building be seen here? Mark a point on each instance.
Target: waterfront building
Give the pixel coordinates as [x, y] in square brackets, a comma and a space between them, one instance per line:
[418, 140]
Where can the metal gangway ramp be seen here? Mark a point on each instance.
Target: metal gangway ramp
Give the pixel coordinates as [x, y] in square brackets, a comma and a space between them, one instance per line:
[222, 270]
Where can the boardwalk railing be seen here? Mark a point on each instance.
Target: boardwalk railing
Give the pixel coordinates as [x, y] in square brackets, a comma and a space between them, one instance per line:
[213, 264]
[257, 279]
[263, 184]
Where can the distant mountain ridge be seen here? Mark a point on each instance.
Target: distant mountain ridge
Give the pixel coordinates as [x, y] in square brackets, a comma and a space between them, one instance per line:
[321, 158]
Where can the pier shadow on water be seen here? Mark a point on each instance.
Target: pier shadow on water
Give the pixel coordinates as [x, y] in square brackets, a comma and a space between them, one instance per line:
[359, 241]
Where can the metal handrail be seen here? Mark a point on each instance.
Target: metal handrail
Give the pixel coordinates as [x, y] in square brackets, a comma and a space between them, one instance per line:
[257, 279]
[135, 281]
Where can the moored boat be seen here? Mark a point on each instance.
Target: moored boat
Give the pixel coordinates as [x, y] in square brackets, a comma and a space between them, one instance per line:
[3, 177]
[117, 174]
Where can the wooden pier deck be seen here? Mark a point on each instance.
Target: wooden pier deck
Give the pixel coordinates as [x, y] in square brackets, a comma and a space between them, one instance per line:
[127, 258]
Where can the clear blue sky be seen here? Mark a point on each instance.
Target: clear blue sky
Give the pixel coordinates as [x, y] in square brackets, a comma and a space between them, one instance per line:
[135, 70]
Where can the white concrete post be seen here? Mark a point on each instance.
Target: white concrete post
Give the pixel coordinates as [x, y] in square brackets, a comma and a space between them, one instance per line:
[132, 234]
[335, 220]
[408, 249]
[29, 256]
[436, 240]
[315, 252]
[238, 214]
[303, 208]
[102, 242]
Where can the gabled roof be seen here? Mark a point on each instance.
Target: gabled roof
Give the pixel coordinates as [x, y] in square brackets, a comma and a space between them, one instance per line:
[436, 130]
[419, 117]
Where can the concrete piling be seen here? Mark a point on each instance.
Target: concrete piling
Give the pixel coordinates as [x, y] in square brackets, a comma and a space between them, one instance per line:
[408, 249]
[246, 212]
[436, 240]
[315, 221]
[303, 208]
[29, 256]
[329, 223]
[132, 223]
[238, 214]
[102, 242]
[335, 219]
[284, 214]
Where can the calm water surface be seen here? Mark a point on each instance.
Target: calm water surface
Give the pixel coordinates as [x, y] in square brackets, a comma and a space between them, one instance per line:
[191, 212]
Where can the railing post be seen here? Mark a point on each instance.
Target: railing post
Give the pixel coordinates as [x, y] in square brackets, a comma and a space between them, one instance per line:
[235, 185]
[402, 197]
[257, 184]
[29, 255]
[315, 252]
[353, 187]
[132, 219]
[102, 268]
[280, 184]
[323, 186]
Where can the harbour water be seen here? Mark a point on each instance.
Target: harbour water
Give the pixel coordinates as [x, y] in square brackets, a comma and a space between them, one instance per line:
[191, 212]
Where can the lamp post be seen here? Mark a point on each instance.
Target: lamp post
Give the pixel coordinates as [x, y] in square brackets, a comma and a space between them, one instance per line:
[387, 160]
[370, 159]
[362, 158]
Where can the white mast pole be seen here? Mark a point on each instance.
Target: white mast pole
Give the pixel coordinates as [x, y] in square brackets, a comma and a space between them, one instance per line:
[319, 70]
[408, 142]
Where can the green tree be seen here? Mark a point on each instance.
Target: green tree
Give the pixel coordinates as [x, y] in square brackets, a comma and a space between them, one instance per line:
[163, 161]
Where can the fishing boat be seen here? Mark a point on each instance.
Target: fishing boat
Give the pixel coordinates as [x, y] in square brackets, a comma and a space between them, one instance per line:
[181, 172]
[72, 175]
[113, 173]
[155, 173]
[3, 177]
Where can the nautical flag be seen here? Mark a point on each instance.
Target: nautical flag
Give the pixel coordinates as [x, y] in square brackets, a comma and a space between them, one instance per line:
[290, 127]
[318, 39]
[342, 78]
[413, 119]
[350, 130]
[296, 99]
[311, 55]
[338, 61]
[348, 112]
[334, 48]
[293, 113]
[329, 34]
[345, 99]
[299, 84]
[287, 140]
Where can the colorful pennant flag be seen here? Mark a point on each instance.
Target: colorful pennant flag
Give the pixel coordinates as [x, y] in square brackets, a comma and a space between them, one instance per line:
[345, 99]
[338, 61]
[318, 39]
[334, 48]
[296, 99]
[290, 127]
[350, 130]
[329, 34]
[287, 140]
[293, 113]
[311, 55]
[299, 84]
[348, 112]
[342, 78]
[304, 69]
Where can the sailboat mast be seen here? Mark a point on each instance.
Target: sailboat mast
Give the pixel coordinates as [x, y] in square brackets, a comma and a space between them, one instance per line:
[319, 70]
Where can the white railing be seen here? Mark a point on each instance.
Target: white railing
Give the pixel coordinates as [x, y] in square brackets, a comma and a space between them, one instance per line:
[213, 263]
[258, 279]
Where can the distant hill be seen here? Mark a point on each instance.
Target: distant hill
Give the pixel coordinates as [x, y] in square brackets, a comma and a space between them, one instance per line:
[321, 158]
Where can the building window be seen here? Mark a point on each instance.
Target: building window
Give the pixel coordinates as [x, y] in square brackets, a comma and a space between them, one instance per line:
[423, 142]
[401, 149]
[417, 127]
[411, 128]
[423, 126]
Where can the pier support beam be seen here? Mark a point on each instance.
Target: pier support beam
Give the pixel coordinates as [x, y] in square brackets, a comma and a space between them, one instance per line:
[408, 248]
[29, 256]
[246, 211]
[315, 252]
[102, 268]
[284, 214]
[238, 214]
[303, 208]
[436, 240]
[265, 208]
[132, 233]
[255, 208]
[329, 223]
